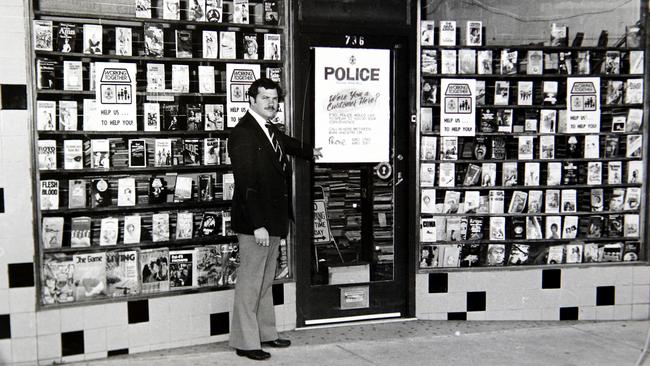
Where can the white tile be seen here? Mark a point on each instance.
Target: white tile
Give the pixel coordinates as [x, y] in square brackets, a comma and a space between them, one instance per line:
[220, 302]
[200, 326]
[95, 355]
[116, 337]
[641, 294]
[24, 349]
[623, 295]
[456, 302]
[477, 315]
[587, 313]
[138, 335]
[641, 275]
[14, 71]
[5, 350]
[200, 303]
[501, 315]
[49, 361]
[159, 331]
[15, 123]
[605, 312]
[48, 322]
[531, 314]
[139, 349]
[95, 340]
[119, 313]
[96, 316]
[623, 275]
[23, 325]
[290, 292]
[159, 346]
[74, 358]
[4, 278]
[623, 312]
[503, 298]
[71, 320]
[181, 328]
[4, 298]
[22, 299]
[158, 309]
[550, 313]
[583, 296]
[640, 312]
[49, 346]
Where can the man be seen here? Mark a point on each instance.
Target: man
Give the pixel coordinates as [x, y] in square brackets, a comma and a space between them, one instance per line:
[261, 209]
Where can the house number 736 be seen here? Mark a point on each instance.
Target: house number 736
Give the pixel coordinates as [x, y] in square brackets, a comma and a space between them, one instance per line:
[354, 40]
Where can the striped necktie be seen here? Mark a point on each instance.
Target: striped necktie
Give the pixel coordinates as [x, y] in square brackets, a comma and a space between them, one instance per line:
[276, 147]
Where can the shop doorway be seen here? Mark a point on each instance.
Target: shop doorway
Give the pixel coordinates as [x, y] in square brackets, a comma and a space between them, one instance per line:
[352, 263]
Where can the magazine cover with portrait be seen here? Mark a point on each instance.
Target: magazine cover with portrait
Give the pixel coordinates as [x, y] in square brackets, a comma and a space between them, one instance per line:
[154, 270]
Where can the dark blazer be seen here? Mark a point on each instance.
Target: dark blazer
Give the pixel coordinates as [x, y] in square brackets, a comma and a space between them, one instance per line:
[262, 196]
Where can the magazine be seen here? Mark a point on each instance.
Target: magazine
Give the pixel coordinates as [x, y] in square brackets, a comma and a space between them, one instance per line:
[154, 269]
[181, 269]
[89, 276]
[122, 273]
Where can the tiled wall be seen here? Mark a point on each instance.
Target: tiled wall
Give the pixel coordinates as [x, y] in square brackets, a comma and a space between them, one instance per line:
[578, 293]
[81, 332]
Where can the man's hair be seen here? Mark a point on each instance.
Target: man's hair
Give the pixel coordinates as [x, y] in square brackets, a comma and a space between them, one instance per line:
[263, 83]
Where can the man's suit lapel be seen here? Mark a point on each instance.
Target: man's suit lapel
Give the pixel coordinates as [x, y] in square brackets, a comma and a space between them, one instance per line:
[263, 141]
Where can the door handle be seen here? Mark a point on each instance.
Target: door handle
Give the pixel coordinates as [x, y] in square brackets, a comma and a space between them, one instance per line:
[400, 179]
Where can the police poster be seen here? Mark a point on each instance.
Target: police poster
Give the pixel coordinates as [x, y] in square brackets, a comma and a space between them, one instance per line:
[115, 95]
[239, 78]
[458, 108]
[583, 109]
[352, 104]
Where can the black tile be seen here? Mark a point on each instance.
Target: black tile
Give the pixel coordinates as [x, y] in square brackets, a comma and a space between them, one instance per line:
[570, 313]
[438, 283]
[72, 343]
[118, 352]
[457, 316]
[5, 326]
[551, 278]
[476, 301]
[605, 295]
[13, 96]
[138, 311]
[2, 200]
[21, 275]
[219, 323]
[278, 294]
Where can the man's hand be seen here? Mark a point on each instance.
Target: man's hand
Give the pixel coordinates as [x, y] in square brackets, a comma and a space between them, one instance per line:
[317, 153]
[262, 237]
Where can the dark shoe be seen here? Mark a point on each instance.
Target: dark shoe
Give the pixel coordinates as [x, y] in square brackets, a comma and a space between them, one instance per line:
[278, 343]
[254, 354]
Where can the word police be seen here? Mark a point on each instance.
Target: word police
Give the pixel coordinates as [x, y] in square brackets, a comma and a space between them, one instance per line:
[352, 74]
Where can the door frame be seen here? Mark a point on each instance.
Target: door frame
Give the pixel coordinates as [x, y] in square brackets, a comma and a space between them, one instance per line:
[303, 128]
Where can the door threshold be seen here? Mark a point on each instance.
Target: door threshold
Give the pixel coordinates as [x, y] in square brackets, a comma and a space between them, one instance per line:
[354, 320]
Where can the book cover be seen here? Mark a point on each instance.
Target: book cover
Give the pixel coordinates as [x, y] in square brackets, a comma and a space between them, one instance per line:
[569, 200]
[524, 93]
[484, 62]
[171, 118]
[631, 226]
[122, 273]
[271, 13]
[610, 252]
[429, 62]
[157, 190]
[570, 173]
[143, 8]
[518, 202]
[196, 10]
[474, 33]
[612, 62]
[275, 74]
[470, 255]
[226, 221]
[180, 78]
[206, 187]
[208, 265]
[46, 115]
[109, 231]
[547, 119]
[590, 253]
[163, 152]
[183, 189]
[636, 59]
[428, 201]
[614, 92]
[554, 174]
[518, 254]
[181, 271]
[471, 202]
[594, 172]
[447, 175]
[66, 38]
[564, 63]
[535, 62]
[47, 155]
[428, 229]
[100, 193]
[570, 230]
[631, 252]
[154, 40]
[549, 92]
[552, 201]
[632, 198]
[488, 174]
[429, 92]
[451, 203]
[504, 121]
[480, 92]
[555, 254]
[551, 62]
[430, 256]
[426, 120]
[194, 117]
[428, 147]
[46, 73]
[210, 44]
[596, 199]
[80, 230]
[501, 92]
[154, 269]
[57, 278]
[488, 120]
[596, 227]
[206, 79]
[89, 276]
[151, 116]
[449, 148]
[591, 147]
[171, 9]
[43, 35]
[447, 33]
[615, 226]
[634, 91]
[472, 175]
[617, 199]
[137, 153]
[240, 13]
[508, 65]
[559, 35]
[227, 45]
[52, 232]
[77, 193]
[553, 227]
[250, 46]
[184, 225]
[427, 32]
[611, 146]
[466, 61]
[448, 61]
[214, 117]
[535, 201]
[634, 146]
[191, 152]
[634, 171]
[100, 154]
[496, 253]
[208, 226]
[67, 115]
[160, 227]
[547, 147]
[451, 256]
[531, 174]
[211, 148]
[510, 176]
[583, 63]
[496, 201]
[634, 120]
[93, 39]
[132, 229]
[126, 194]
[475, 228]
[272, 47]
[123, 41]
[618, 123]
[480, 150]
[183, 43]
[72, 154]
[525, 147]
[534, 227]
[155, 77]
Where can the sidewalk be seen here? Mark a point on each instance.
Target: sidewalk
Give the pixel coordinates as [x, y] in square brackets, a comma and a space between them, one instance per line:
[420, 342]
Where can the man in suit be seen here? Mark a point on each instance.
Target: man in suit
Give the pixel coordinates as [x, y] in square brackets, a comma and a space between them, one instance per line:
[261, 210]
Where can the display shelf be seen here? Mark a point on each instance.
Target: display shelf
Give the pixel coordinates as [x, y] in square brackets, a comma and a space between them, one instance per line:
[517, 267]
[537, 187]
[525, 214]
[530, 133]
[143, 134]
[534, 47]
[66, 173]
[139, 93]
[530, 241]
[182, 60]
[140, 207]
[468, 161]
[529, 76]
